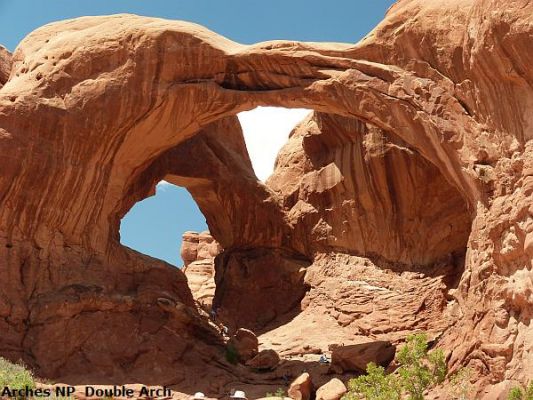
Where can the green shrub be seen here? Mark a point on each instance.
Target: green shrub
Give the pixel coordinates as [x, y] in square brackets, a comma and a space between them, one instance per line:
[15, 376]
[278, 393]
[418, 370]
[518, 393]
[231, 355]
[376, 385]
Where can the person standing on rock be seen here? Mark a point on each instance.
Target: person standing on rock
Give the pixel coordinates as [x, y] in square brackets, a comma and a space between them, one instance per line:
[214, 314]
[225, 331]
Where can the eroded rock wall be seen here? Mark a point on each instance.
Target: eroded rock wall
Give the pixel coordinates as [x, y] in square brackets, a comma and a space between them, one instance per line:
[259, 286]
[351, 187]
[71, 313]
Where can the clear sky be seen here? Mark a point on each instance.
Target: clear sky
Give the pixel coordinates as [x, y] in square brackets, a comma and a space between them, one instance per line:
[154, 226]
[274, 123]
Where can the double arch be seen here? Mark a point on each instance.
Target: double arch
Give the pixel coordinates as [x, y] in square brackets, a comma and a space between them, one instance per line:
[121, 90]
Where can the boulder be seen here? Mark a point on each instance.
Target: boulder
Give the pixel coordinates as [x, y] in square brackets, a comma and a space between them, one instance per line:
[245, 344]
[301, 388]
[333, 390]
[356, 357]
[264, 360]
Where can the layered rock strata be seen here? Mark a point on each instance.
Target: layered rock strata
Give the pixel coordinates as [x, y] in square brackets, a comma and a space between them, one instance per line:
[198, 251]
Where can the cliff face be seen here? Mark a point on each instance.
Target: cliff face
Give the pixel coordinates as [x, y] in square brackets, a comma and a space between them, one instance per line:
[418, 163]
[355, 188]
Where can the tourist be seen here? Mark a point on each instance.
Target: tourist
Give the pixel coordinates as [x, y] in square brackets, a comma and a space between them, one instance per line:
[239, 394]
[214, 314]
[323, 359]
[225, 330]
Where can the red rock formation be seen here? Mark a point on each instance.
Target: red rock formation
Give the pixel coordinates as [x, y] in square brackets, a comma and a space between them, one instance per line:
[198, 247]
[355, 188]
[245, 344]
[301, 388]
[258, 286]
[198, 252]
[264, 360]
[5, 65]
[355, 358]
[433, 107]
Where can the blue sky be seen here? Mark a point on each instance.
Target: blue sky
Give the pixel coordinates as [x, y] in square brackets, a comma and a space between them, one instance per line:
[154, 226]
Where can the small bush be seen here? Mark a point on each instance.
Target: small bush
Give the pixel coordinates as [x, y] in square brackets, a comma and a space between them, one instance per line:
[518, 393]
[278, 393]
[376, 385]
[231, 355]
[418, 371]
[15, 376]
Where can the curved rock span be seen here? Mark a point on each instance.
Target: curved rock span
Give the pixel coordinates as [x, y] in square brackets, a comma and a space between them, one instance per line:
[403, 203]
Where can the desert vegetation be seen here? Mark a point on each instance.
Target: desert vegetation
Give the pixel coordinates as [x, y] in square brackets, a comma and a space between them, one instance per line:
[520, 393]
[15, 376]
[418, 371]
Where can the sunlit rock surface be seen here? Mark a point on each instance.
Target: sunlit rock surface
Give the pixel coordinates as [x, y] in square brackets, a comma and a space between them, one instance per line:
[198, 251]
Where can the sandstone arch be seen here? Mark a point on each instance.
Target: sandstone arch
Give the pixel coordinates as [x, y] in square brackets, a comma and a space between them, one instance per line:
[93, 105]
[176, 103]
